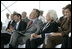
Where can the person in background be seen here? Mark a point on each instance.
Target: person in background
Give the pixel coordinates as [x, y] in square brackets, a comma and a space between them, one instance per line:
[15, 12]
[7, 19]
[41, 17]
[24, 17]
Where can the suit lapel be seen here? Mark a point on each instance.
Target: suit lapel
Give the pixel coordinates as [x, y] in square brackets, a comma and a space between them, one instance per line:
[32, 24]
[19, 25]
[46, 26]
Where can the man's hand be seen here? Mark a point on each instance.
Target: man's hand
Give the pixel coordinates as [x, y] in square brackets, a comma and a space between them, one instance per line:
[38, 36]
[35, 36]
[8, 30]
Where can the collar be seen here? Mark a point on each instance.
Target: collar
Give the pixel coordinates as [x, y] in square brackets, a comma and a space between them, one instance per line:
[34, 20]
[18, 22]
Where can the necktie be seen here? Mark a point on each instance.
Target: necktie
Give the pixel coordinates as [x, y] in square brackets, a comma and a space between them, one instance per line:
[29, 23]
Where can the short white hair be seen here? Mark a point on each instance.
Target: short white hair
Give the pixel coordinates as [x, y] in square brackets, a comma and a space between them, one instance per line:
[53, 14]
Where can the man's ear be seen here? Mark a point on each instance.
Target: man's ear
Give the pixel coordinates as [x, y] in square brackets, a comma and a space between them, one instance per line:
[36, 14]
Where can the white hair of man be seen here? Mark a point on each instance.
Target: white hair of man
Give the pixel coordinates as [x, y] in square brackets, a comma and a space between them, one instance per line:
[53, 15]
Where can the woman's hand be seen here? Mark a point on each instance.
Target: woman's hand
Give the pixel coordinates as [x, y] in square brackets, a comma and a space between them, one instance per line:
[55, 34]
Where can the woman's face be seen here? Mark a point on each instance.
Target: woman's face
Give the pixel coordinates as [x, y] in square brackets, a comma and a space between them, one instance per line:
[67, 12]
[48, 18]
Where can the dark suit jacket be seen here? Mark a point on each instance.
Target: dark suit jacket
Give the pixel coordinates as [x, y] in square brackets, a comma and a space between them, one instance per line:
[16, 37]
[13, 24]
[53, 27]
[22, 26]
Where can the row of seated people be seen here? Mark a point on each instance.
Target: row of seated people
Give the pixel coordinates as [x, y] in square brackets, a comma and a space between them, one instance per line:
[34, 32]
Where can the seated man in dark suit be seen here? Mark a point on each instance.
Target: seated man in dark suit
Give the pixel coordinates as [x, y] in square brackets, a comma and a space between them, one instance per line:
[20, 26]
[50, 26]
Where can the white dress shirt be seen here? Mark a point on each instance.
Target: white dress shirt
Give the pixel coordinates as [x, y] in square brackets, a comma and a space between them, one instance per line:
[33, 20]
[17, 25]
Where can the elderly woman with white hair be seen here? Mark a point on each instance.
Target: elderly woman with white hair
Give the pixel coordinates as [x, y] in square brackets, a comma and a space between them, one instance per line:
[52, 14]
[47, 28]
[61, 36]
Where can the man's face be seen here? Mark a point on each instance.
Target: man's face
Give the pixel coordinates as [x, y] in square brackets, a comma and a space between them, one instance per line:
[33, 14]
[16, 18]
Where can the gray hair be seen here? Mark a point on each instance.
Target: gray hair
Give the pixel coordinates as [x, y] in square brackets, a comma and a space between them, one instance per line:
[53, 14]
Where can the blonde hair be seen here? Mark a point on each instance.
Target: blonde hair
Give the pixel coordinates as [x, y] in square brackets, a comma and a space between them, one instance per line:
[53, 15]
